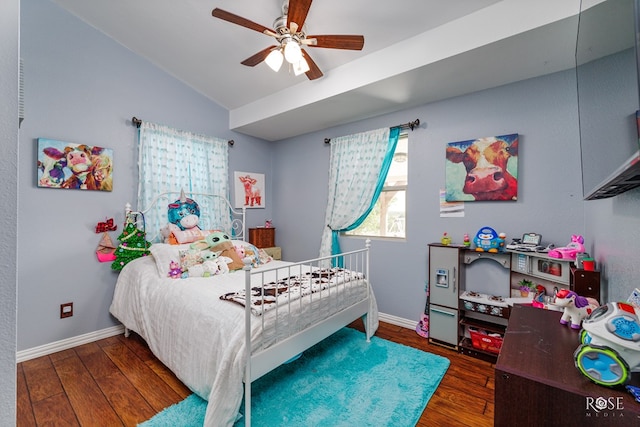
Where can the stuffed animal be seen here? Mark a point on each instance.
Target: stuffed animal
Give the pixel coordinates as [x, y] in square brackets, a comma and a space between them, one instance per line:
[210, 267]
[174, 270]
[184, 219]
[184, 212]
[244, 252]
[576, 308]
[220, 242]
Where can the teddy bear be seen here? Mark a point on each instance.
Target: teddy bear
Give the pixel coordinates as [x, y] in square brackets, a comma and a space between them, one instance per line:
[174, 270]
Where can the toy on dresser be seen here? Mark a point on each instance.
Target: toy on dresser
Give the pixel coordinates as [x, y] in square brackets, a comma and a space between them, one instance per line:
[610, 344]
[576, 308]
[571, 250]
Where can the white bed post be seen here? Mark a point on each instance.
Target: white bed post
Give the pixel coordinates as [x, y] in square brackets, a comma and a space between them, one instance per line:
[247, 330]
[244, 225]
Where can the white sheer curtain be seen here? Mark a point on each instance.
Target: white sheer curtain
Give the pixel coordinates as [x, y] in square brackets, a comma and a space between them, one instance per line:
[356, 168]
[172, 160]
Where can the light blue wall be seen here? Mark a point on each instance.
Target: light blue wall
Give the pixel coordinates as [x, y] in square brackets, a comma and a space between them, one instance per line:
[608, 91]
[9, 44]
[83, 87]
[613, 226]
[542, 110]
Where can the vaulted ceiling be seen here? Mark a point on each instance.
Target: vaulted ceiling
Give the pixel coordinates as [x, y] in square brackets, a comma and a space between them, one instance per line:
[415, 52]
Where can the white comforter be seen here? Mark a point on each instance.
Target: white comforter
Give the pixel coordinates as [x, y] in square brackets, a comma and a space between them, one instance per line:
[194, 333]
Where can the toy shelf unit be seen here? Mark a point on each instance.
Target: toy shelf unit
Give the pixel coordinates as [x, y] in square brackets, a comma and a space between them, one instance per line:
[483, 306]
[553, 274]
[467, 307]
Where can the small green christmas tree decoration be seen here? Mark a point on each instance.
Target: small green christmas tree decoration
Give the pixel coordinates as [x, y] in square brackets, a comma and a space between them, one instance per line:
[133, 244]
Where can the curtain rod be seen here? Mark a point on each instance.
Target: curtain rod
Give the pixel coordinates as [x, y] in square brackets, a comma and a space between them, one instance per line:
[410, 125]
[137, 122]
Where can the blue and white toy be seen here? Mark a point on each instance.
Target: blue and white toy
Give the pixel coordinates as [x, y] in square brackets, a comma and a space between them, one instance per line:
[610, 349]
[184, 212]
[488, 240]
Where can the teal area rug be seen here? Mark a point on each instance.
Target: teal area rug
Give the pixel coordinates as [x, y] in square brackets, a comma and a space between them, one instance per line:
[341, 381]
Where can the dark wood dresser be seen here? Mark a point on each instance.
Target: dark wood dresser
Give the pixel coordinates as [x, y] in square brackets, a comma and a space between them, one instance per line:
[262, 237]
[537, 383]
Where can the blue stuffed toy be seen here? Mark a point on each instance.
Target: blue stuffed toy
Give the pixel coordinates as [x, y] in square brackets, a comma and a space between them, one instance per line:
[185, 213]
[487, 240]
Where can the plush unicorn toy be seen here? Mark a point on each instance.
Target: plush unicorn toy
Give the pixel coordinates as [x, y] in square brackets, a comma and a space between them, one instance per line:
[576, 307]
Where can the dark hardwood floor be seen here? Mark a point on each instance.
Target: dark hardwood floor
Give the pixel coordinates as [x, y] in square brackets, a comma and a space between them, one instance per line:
[117, 381]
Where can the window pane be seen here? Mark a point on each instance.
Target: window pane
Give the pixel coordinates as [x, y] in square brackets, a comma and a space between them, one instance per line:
[387, 218]
[398, 171]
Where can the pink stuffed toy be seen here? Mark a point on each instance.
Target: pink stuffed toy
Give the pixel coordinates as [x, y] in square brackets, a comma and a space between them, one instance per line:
[571, 250]
[240, 251]
[174, 270]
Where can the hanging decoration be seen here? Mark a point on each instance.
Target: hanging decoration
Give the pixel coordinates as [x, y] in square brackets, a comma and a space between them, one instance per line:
[105, 251]
[133, 243]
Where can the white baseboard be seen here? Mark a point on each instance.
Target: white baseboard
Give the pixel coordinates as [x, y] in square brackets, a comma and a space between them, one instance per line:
[398, 321]
[65, 344]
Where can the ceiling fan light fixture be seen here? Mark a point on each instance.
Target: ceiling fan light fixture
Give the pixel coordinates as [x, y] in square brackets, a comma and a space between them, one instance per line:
[274, 59]
[300, 67]
[292, 51]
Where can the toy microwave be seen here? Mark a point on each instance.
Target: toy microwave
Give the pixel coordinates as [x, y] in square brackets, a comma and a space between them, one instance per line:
[540, 266]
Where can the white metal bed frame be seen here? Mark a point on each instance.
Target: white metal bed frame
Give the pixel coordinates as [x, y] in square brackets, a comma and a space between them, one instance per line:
[237, 215]
[260, 361]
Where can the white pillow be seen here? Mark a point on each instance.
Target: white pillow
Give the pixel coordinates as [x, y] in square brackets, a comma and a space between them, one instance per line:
[164, 253]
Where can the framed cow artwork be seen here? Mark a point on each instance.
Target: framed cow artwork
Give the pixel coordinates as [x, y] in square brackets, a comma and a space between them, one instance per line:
[74, 166]
[483, 169]
[249, 190]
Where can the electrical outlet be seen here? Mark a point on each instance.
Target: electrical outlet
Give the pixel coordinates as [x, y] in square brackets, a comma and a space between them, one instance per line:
[66, 310]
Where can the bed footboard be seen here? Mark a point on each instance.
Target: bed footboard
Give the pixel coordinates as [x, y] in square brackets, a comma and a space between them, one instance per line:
[297, 306]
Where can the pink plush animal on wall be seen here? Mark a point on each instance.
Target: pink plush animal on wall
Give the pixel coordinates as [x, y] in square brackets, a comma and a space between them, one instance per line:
[576, 307]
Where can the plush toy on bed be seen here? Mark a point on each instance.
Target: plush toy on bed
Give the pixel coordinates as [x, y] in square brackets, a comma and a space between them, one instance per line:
[174, 270]
[184, 222]
[220, 242]
[210, 267]
[184, 216]
[245, 252]
[184, 212]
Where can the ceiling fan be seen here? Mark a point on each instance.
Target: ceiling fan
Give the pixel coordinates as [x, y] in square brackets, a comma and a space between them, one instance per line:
[290, 33]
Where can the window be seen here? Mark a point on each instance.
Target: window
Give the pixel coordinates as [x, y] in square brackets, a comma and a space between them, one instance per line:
[387, 218]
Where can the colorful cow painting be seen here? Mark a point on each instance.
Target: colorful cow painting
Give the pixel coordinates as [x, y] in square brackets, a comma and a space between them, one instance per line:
[482, 169]
[74, 166]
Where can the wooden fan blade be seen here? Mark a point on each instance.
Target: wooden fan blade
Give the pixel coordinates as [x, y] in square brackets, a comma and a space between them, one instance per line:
[297, 13]
[336, 42]
[243, 22]
[254, 60]
[314, 71]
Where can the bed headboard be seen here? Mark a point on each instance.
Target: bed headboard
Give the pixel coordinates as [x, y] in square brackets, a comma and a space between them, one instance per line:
[235, 226]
